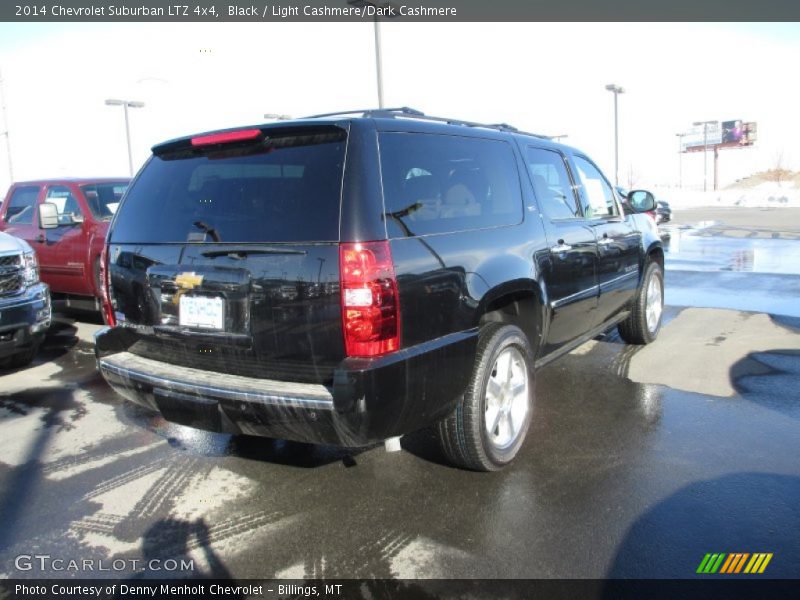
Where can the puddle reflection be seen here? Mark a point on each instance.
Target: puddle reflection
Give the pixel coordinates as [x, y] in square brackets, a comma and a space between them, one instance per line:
[687, 250]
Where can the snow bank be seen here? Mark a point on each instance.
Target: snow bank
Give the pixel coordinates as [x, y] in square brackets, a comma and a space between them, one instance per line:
[761, 196]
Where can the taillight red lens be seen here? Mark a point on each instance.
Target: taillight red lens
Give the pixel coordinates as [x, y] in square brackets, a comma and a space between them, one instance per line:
[226, 137]
[105, 289]
[370, 302]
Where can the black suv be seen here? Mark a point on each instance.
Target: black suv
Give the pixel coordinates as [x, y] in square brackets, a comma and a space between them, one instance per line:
[351, 277]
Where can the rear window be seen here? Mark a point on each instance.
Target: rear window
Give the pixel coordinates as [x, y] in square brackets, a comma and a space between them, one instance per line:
[440, 183]
[287, 190]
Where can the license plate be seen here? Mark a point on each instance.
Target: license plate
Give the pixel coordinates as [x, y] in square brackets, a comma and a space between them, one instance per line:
[201, 311]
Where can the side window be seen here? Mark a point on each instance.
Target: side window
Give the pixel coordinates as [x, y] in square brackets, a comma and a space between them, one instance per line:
[103, 198]
[551, 184]
[597, 196]
[65, 201]
[21, 206]
[442, 183]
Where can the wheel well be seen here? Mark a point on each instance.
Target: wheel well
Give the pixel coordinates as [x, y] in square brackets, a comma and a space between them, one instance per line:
[521, 308]
[657, 255]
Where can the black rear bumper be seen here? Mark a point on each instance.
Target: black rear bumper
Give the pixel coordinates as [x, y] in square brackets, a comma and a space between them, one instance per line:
[368, 401]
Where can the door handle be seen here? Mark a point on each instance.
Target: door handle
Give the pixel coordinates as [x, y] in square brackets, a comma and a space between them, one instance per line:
[561, 247]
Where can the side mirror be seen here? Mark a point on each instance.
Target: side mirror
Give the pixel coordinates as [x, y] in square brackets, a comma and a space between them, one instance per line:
[77, 218]
[48, 215]
[641, 201]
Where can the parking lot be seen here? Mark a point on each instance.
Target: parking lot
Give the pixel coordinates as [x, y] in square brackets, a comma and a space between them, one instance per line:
[640, 460]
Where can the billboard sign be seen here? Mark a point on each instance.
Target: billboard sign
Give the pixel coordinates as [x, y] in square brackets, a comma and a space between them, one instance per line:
[732, 131]
[750, 134]
[697, 137]
[726, 133]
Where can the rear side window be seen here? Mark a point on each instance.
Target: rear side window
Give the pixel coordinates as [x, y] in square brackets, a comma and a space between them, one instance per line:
[551, 184]
[287, 189]
[103, 198]
[21, 206]
[441, 183]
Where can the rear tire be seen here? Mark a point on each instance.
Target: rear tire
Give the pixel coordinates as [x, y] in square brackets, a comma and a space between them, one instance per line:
[644, 322]
[491, 420]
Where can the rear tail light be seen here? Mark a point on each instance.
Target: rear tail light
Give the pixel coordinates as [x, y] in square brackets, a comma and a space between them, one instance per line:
[105, 289]
[370, 302]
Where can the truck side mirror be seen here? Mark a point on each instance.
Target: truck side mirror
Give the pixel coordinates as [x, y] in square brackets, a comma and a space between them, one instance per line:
[48, 215]
[641, 201]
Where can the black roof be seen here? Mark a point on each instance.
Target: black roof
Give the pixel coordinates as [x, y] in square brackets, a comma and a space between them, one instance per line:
[401, 118]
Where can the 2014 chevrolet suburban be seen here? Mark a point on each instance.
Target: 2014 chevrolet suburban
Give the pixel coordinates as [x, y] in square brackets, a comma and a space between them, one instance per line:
[352, 277]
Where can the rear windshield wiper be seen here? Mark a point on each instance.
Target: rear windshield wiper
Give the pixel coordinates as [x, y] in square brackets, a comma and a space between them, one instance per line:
[208, 230]
[242, 252]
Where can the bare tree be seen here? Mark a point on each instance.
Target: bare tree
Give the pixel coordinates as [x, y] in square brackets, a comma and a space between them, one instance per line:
[633, 177]
[778, 173]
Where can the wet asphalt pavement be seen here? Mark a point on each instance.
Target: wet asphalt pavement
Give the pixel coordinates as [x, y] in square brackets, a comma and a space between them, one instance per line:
[639, 460]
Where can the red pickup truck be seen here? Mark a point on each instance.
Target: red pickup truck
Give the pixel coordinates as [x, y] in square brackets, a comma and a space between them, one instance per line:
[68, 245]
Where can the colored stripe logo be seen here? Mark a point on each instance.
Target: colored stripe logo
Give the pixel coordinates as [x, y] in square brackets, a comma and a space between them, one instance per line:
[734, 563]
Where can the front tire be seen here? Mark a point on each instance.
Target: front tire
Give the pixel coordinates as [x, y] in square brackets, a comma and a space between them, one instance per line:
[644, 322]
[23, 358]
[488, 427]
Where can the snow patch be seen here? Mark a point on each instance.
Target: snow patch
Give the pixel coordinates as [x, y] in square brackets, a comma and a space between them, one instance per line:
[217, 489]
[422, 559]
[82, 467]
[765, 195]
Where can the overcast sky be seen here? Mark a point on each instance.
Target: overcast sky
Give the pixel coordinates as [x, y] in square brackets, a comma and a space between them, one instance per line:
[546, 78]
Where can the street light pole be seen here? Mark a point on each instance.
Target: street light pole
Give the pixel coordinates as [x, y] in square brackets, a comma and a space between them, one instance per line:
[376, 5]
[5, 131]
[125, 104]
[705, 125]
[616, 90]
[379, 61]
[680, 159]
[705, 156]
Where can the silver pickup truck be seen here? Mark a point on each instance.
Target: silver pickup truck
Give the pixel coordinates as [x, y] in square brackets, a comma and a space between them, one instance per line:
[25, 310]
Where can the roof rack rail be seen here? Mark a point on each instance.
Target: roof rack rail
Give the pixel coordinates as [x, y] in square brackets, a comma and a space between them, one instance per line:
[412, 113]
[371, 112]
[502, 126]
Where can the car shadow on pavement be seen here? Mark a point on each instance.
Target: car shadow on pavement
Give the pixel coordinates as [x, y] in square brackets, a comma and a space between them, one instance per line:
[60, 338]
[74, 314]
[198, 442]
[425, 444]
[740, 512]
[20, 483]
[290, 453]
[770, 379]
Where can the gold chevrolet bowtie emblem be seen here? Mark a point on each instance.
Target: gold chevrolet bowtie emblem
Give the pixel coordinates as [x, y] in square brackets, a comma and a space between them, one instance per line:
[186, 281]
